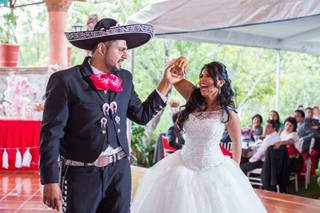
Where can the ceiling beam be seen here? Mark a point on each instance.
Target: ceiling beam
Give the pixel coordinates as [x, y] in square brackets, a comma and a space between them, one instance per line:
[309, 34]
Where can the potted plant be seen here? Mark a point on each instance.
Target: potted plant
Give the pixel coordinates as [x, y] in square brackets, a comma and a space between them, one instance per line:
[9, 52]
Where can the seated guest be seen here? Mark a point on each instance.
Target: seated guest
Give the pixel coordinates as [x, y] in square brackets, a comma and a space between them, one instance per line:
[309, 129]
[309, 112]
[274, 115]
[256, 127]
[289, 136]
[316, 113]
[271, 137]
[175, 138]
[299, 116]
[283, 158]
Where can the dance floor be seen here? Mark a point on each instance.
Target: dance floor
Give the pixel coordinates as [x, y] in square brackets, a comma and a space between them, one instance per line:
[20, 191]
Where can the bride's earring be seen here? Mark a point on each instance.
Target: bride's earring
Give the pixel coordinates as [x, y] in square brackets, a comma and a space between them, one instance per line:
[219, 90]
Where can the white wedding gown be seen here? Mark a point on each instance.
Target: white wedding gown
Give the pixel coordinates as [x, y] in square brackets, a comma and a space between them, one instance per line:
[198, 178]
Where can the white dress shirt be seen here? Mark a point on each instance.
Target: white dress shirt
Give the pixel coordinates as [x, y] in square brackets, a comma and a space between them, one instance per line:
[290, 136]
[270, 140]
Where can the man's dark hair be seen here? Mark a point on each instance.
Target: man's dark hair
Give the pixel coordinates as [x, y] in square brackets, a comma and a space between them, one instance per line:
[107, 43]
[308, 108]
[300, 112]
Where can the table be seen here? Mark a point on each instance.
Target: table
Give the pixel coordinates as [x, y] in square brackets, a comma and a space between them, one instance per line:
[18, 138]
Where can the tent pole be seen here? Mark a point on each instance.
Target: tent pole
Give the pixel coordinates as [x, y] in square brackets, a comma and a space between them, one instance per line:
[278, 59]
[166, 47]
[132, 66]
[132, 61]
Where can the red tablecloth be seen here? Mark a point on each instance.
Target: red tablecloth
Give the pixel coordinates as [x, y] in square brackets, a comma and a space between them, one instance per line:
[21, 135]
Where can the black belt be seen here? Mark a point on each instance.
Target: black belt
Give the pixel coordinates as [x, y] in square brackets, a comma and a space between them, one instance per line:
[101, 161]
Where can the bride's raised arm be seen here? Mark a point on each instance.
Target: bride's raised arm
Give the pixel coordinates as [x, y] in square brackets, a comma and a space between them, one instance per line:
[185, 88]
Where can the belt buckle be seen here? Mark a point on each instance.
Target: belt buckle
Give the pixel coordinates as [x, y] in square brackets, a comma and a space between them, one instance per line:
[103, 161]
[121, 155]
[116, 157]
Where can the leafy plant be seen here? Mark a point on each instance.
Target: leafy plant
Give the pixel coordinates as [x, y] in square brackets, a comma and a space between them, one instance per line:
[141, 154]
[7, 26]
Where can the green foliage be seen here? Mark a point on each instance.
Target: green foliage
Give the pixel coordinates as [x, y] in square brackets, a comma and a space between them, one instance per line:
[33, 35]
[8, 24]
[252, 70]
[141, 154]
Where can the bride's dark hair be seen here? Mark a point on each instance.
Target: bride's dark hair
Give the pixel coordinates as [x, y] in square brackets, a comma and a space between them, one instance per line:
[217, 71]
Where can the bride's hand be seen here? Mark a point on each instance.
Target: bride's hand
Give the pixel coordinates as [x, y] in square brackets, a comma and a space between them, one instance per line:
[176, 69]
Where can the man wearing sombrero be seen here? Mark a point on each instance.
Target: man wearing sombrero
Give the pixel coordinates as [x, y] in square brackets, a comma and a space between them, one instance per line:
[84, 122]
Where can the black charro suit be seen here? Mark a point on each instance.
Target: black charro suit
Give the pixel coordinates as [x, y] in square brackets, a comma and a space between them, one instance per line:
[71, 120]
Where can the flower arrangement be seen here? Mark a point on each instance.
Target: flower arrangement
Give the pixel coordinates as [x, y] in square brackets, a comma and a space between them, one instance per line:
[19, 98]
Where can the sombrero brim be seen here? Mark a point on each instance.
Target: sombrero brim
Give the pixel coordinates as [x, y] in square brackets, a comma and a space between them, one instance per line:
[135, 35]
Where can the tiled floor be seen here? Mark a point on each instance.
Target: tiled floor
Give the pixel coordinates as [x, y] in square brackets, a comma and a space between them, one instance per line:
[20, 191]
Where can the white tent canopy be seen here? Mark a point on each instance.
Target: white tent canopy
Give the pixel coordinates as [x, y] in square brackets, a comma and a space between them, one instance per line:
[280, 24]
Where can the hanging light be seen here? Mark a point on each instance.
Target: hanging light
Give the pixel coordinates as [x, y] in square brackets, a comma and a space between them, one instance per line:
[77, 27]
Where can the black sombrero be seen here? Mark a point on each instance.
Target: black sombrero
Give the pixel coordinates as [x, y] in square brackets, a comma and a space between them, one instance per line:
[108, 29]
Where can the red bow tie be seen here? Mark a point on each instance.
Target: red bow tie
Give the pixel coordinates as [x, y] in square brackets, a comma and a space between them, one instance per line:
[106, 82]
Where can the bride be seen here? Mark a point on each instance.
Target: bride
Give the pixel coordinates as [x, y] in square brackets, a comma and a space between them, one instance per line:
[198, 178]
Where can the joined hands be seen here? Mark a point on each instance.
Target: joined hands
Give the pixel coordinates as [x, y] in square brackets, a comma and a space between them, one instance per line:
[176, 69]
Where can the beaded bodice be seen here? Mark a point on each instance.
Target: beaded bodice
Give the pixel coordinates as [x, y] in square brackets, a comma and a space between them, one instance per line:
[203, 132]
